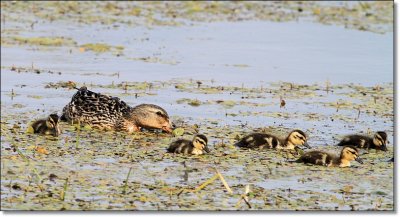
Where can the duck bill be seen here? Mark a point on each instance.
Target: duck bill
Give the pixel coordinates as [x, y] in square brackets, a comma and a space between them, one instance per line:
[167, 129]
[57, 132]
[359, 160]
[306, 145]
[384, 148]
[206, 149]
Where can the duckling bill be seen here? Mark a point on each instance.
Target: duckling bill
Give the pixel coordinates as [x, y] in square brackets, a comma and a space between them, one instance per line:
[195, 147]
[378, 142]
[267, 141]
[48, 126]
[347, 155]
[111, 113]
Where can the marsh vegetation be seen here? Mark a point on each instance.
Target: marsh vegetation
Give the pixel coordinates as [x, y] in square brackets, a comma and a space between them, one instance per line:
[204, 63]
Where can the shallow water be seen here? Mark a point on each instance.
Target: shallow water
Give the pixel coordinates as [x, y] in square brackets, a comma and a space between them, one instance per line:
[231, 53]
[256, 62]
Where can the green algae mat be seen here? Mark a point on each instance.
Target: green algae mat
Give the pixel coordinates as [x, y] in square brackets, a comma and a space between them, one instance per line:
[222, 69]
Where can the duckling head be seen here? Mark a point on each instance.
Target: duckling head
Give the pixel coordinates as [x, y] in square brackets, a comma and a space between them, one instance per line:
[200, 142]
[297, 138]
[52, 123]
[349, 153]
[380, 140]
[151, 116]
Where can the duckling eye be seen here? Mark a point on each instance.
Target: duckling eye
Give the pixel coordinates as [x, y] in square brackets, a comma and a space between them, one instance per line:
[201, 142]
[160, 114]
[380, 139]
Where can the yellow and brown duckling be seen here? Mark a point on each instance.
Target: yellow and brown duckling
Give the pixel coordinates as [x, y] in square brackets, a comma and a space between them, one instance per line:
[360, 141]
[295, 139]
[110, 113]
[48, 126]
[195, 147]
[347, 155]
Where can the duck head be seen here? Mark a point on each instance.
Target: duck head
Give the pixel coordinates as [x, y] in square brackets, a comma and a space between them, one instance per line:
[380, 140]
[200, 143]
[151, 116]
[52, 123]
[298, 138]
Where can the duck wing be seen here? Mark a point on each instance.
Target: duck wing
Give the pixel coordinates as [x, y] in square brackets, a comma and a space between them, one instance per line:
[94, 108]
[316, 157]
[359, 141]
[258, 141]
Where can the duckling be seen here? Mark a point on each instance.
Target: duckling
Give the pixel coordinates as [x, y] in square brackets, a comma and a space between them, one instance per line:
[49, 126]
[360, 141]
[348, 154]
[267, 141]
[111, 113]
[194, 147]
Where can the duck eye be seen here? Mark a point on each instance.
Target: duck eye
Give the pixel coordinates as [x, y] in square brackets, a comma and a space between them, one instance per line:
[160, 114]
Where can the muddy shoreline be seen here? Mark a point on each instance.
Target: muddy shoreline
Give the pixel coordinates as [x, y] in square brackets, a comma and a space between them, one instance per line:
[218, 69]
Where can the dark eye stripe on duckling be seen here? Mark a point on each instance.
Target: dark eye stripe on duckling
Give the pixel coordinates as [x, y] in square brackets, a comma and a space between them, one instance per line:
[300, 137]
[203, 138]
[353, 152]
[378, 137]
[201, 141]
